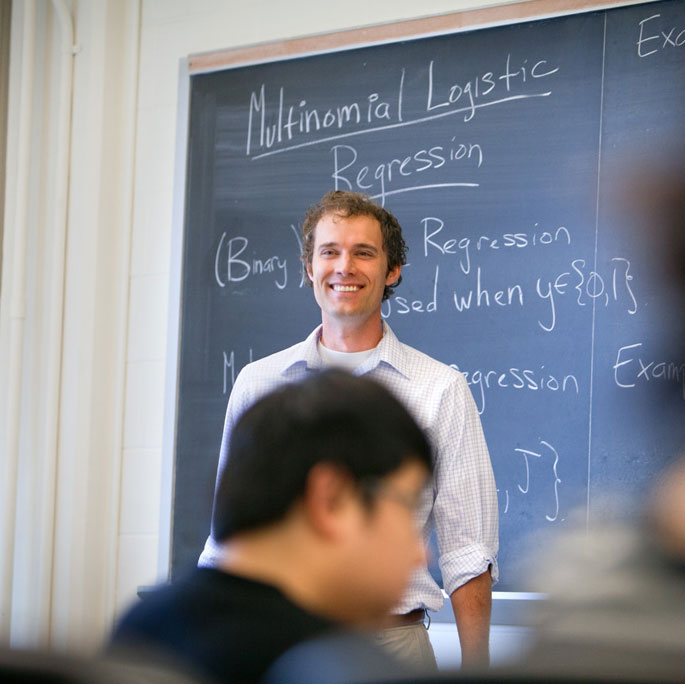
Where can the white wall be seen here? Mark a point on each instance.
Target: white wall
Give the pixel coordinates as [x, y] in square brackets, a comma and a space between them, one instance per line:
[80, 486]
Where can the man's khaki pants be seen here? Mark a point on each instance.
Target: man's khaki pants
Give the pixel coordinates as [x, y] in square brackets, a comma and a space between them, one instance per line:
[410, 645]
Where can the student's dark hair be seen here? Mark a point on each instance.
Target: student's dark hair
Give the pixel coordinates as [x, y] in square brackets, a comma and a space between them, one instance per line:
[347, 204]
[332, 417]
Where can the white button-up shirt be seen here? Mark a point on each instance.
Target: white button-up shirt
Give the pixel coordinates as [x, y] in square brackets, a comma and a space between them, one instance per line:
[462, 503]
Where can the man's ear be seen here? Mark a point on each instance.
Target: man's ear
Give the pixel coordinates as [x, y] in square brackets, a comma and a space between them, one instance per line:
[308, 268]
[328, 498]
[393, 275]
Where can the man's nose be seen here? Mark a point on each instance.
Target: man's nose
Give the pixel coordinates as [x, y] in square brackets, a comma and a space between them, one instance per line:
[345, 263]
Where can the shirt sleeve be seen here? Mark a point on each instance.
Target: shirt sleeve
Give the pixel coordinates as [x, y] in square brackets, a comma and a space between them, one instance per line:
[238, 401]
[465, 508]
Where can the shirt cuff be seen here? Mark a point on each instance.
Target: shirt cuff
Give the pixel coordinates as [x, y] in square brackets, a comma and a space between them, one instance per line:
[209, 558]
[458, 567]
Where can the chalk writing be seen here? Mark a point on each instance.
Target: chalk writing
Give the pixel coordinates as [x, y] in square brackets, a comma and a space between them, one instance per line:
[588, 286]
[276, 128]
[434, 243]
[547, 461]
[506, 504]
[485, 297]
[517, 379]
[229, 368]
[630, 369]
[582, 285]
[654, 38]
[298, 237]
[480, 86]
[303, 119]
[229, 267]
[402, 305]
[376, 181]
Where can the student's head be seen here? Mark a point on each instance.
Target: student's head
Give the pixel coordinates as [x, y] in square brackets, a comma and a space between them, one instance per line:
[347, 205]
[351, 423]
[340, 457]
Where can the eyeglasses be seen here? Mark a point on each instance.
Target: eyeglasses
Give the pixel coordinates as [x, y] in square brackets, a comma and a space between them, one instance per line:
[374, 486]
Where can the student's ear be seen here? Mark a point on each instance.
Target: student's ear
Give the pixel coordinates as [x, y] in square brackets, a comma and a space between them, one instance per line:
[309, 271]
[328, 500]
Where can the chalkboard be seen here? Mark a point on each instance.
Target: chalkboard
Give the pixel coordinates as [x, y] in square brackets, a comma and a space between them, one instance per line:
[505, 154]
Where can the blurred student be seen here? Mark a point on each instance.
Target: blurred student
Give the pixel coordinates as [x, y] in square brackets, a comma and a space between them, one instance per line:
[616, 606]
[316, 524]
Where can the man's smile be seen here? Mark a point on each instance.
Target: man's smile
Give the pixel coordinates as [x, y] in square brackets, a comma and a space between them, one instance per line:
[346, 288]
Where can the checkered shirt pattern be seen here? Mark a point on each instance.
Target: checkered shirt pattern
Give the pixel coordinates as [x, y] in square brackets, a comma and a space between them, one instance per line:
[462, 502]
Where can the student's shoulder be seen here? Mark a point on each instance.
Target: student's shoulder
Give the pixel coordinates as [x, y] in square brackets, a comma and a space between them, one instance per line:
[172, 600]
[145, 615]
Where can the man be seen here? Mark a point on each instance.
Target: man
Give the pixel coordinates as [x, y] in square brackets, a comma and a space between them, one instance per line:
[315, 525]
[353, 253]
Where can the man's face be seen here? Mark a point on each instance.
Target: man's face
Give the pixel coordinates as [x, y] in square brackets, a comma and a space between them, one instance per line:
[349, 267]
[388, 546]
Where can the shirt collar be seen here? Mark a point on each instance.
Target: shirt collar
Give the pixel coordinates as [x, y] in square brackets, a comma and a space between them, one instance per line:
[389, 352]
[305, 354]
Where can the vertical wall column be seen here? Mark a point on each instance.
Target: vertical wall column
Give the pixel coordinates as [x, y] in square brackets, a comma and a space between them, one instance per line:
[67, 480]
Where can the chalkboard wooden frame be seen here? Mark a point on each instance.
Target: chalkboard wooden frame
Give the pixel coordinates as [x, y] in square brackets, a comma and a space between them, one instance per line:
[450, 23]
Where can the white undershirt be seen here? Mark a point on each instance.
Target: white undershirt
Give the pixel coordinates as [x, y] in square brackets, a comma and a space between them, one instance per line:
[347, 360]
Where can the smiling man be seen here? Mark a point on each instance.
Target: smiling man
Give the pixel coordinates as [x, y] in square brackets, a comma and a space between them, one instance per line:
[353, 251]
